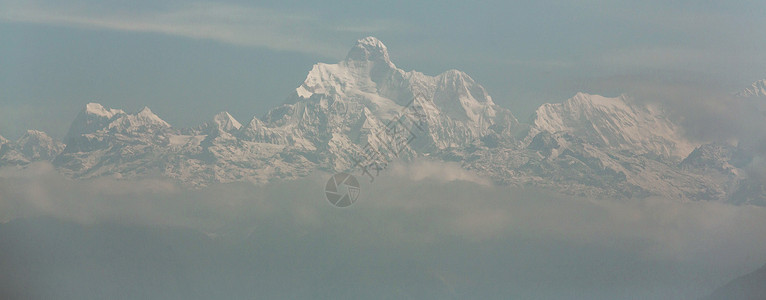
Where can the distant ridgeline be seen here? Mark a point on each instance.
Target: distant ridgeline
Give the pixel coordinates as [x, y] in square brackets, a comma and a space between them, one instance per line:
[588, 145]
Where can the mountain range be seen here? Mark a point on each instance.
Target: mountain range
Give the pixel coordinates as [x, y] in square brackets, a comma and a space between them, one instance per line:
[365, 109]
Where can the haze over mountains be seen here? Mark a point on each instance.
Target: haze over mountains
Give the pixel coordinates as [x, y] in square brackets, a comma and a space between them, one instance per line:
[588, 145]
[750, 286]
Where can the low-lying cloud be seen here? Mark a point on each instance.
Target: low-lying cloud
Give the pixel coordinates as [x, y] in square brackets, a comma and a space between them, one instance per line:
[426, 227]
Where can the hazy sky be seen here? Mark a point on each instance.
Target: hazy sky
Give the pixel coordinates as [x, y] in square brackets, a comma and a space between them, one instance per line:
[188, 60]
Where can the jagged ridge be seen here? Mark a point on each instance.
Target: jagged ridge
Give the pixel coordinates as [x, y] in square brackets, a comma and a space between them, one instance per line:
[588, 145]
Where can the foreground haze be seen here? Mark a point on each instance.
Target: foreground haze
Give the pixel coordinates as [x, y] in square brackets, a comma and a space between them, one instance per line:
[424, 231]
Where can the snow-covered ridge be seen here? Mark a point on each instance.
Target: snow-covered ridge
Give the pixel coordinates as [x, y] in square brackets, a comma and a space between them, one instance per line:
[757, 89]
[95, 117]
[588, 145]
[99, 110]
[369, 49]
[34, 145]
[755, 96]
[615, 123]
[457, 108]
[226, 122]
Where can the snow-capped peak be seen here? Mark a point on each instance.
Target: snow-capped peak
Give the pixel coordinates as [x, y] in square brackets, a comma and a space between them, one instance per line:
[99, 110]
[92, 118]
[37, 138]
[457, 109]
[613, 122]
[364, 107]
[33, 145]
[459, 96]
[365, 66]
[560, 117]
[226, 122]
[757, 89]
[35, 134]
[96, 117]
[149, 118]
[369, 49]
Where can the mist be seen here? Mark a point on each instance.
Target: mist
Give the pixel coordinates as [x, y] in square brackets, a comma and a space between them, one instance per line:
[419, 230]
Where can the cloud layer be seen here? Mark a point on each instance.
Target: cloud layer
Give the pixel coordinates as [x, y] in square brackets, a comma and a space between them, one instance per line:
[454, 233]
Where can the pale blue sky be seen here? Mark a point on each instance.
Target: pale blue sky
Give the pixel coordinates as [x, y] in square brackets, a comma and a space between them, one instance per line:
[188, 60]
